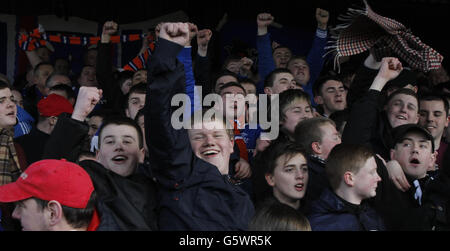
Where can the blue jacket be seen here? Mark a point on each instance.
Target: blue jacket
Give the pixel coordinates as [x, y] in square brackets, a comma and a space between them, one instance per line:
[25, 123]
[317, 181]
[314, 59]
[186, 59]
[193, 194]
[331, 213]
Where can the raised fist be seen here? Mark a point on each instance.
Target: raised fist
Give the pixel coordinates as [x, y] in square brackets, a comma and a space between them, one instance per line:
[175, 32]
[322, 17]
[110, 28]
[390, 68]
[87, 99]
[193, 30]
[203, 38]
[264, 19]
[246, 63]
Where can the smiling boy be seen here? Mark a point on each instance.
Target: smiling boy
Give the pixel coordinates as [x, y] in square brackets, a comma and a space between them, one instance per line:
[191, 166]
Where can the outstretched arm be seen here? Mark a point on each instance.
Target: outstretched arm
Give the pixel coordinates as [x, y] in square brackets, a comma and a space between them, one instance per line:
[315, 56]
[365, 111]
[69, 133]
[185, 58]
[264, 47]
[169, 149]
[202, 66]
[104, 61]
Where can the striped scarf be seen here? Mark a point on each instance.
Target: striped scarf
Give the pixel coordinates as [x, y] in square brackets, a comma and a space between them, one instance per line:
[243, 152]
[9, 162]
[365, 29]
[139, 62]
[38, 38]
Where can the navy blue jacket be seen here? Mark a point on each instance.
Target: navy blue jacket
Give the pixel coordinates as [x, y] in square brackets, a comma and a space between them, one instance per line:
[331, 213]
[193, 194]
[317, 181]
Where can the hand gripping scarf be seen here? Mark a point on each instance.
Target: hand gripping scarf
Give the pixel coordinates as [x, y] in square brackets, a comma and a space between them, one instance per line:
[365, 29]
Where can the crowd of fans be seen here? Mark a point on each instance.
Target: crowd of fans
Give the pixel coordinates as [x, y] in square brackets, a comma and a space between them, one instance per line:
[361, 148]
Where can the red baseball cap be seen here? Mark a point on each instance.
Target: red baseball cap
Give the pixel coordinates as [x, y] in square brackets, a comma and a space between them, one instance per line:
[58, 180]
[54, 105]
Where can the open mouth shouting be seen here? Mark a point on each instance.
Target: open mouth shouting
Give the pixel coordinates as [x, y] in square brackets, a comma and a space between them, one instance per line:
[414, 162]
[119, 159]
[299, 187]
[210, 153]
[11, 114]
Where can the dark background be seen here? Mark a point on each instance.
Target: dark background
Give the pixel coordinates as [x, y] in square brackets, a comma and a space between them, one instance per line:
[428, 19]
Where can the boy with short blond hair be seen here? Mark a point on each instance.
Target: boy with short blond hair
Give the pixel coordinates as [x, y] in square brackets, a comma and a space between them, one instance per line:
[295, 106]
[191, 165]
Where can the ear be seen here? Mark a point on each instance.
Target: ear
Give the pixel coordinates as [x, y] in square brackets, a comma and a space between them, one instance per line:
[348, 179]
[35, 78]
[142, 155]
[55, 213]
[72, 101]
[97, 154]
[53, 120]
[392, 154]
[269, 179]
[417, 118]
[416, 89]
[432, 162]
[315, 146]
[46, 90]
[127, 112]
[268, 90]
[318, 100]
[232, 145]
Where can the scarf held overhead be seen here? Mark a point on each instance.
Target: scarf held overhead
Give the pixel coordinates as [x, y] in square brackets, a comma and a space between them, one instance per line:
[365, 29]
[38, 38]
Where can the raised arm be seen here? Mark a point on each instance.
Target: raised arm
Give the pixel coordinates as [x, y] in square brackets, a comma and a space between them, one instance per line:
[364, 113]
[264, 47]
[169, 149]
[202, 66]
[315, 55]
[104, 60]
[185, 58]
[69, 134]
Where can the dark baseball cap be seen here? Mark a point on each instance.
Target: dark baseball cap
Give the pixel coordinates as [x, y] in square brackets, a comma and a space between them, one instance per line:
[399, 133]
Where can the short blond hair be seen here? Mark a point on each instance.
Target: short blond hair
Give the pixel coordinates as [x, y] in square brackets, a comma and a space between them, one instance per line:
[201, 113]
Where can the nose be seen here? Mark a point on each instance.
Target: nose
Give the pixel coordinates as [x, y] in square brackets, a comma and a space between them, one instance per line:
[118, 147]
[209, 141]
[415, 148]
[10, 103]
[16, 214]
[378, 178]
[403, 109]
[430, 117]
[299, 174]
